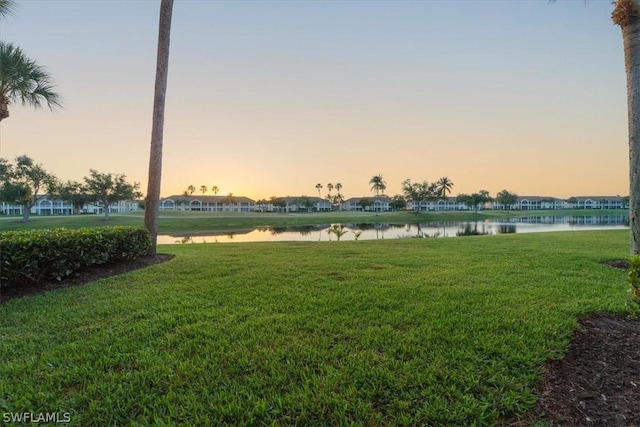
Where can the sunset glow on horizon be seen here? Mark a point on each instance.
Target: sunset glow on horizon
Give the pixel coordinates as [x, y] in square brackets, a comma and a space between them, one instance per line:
[271, 98]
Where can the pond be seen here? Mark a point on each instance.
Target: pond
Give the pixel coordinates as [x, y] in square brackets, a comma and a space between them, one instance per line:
[372, 231]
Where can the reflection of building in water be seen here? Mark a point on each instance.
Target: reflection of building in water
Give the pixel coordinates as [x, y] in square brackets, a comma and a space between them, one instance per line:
[580, 219]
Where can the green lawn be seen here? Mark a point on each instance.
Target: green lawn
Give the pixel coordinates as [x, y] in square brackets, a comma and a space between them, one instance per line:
[190, 222]
[395, 332]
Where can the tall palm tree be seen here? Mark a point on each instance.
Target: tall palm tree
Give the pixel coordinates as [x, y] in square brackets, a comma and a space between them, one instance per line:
[21, 79]
[191, 189]
[329, 188]
[319, 187]
[378, 184]
[204, 189]
[444, 186]
[215, 189]
[6, 7]
[157, 129]
[626, 14]
[338, 187]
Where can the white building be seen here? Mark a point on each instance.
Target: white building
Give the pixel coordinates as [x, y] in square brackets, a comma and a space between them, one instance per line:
[46, 205]
[208, 203]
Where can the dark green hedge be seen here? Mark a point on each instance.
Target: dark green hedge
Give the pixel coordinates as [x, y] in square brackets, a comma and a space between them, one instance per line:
[39, 255]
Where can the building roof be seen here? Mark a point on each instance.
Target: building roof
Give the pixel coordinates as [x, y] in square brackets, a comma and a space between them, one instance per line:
[383, 199]
[539, 199]
[209, 199]
[598, 198]
[295, 199]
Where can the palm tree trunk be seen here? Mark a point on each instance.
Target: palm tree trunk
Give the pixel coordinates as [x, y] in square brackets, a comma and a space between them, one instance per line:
[626, 15]
[155, 157]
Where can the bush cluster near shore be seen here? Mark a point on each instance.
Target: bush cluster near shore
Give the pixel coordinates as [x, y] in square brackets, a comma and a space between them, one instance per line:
[38, 255]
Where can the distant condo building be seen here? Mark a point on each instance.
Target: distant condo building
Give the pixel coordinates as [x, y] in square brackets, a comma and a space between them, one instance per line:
[46, 205]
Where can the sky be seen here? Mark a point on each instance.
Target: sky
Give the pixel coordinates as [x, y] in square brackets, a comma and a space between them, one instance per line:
[269, 98]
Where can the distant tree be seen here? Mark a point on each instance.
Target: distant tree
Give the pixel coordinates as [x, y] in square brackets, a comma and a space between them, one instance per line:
[305, 202]
[74, 193]
[398, 202]
[214, 189]
[183, 199]
[20, 183]
[190, 190]
[365, 203]
[378, 184]
[443, 186]
[230, 200]
[475, 200]
[466, 200]
[506, 199]
[108, 188]
[337, 200]
[319, 187]
[262, 204]
[484, 197]
[329, 188]
[278, 202]
[203, 189]
[625, 201]
[418, 193]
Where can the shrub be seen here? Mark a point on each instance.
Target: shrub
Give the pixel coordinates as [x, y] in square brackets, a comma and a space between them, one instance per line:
[38, 255]
[634, 280]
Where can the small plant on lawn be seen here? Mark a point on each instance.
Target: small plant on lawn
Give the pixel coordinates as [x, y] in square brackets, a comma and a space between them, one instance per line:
[338, 230]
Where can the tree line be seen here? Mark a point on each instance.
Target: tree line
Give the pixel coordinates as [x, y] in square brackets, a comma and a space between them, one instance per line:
[22, 181]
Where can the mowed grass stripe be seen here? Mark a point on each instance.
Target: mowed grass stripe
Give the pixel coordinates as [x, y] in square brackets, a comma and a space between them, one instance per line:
[395, 332]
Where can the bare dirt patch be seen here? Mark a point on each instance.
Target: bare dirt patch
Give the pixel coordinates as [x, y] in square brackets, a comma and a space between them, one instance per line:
[597, 383]
[10, 291]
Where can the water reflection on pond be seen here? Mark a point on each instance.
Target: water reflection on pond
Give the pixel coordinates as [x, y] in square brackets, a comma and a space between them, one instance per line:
[372, 231]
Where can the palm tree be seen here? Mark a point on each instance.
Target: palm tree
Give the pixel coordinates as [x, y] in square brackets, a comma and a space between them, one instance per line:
[204, 189]
[191, 189]
[21, 79]
[378, 184]
[626, 14]
[215, 189]
[319, 187]
[444, 186]
[157, 128]
[329, 188]
[338, 200]
[6, 7]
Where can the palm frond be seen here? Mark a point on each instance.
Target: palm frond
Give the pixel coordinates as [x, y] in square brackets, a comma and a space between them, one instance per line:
[23, 80]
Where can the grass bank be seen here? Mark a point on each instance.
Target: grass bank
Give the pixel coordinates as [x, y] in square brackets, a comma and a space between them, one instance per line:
[397, 332]
[190, 222]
